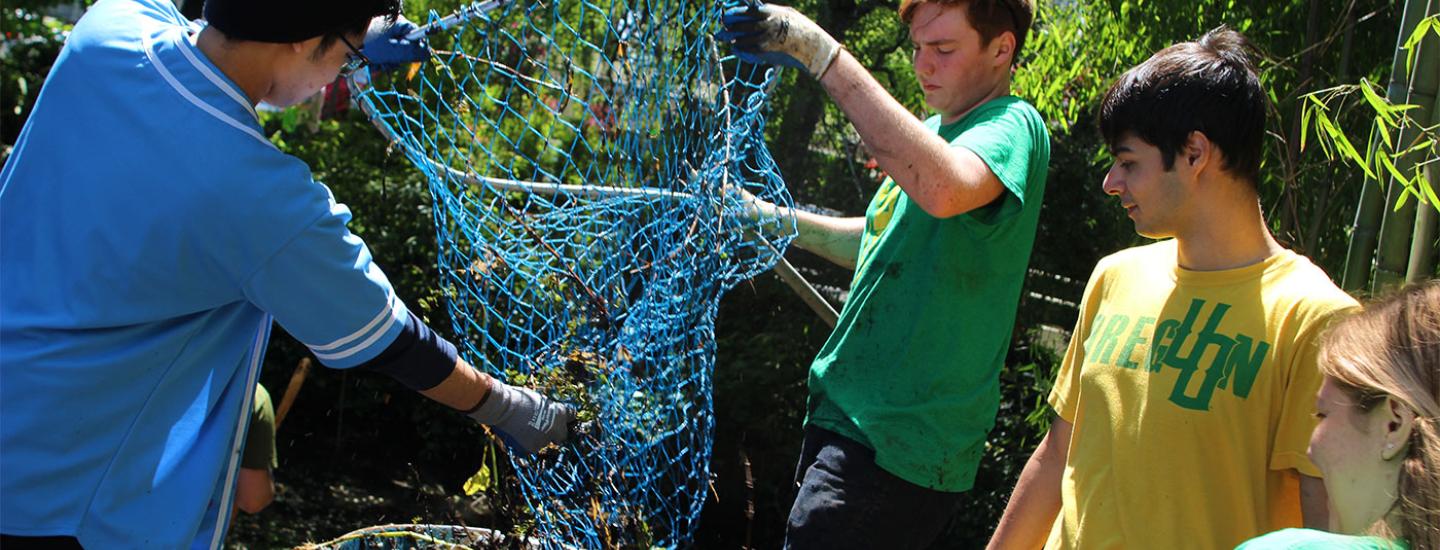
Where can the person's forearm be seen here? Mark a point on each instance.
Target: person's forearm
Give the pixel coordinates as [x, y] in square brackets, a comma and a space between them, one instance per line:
[942, 181]
[463, 389]
[835, 239]
[1035, 503]
[255, 489]
[1314, 503]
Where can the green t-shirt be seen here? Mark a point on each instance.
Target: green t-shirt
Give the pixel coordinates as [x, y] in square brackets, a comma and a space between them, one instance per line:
[912, 368]
[260, 440]
[1310, 539]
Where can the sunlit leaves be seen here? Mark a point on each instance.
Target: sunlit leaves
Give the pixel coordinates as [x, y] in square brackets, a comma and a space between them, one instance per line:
[1382, 157]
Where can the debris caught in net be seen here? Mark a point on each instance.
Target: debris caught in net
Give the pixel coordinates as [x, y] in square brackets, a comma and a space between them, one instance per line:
[408, 537]
[584, 160]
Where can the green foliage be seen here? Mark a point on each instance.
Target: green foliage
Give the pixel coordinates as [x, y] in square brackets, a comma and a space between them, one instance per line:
[30, 44]
[1383, 155]
[1080, 46]
[1425, 27]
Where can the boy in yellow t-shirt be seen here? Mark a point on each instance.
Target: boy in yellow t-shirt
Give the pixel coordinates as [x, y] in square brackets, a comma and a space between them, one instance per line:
[1185, 399]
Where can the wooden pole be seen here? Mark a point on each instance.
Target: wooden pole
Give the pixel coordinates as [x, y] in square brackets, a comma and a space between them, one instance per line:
[807, 293]
[291, 390]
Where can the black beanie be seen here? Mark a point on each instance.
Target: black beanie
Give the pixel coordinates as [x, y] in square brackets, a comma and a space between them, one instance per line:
[292, 21]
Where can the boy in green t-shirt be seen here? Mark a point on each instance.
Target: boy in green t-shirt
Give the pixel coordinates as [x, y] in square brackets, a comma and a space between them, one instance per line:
[905, 391]
[256, 481]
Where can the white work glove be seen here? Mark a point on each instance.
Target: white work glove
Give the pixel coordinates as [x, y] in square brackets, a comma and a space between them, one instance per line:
[752, 208]
[528, 420]
[777, 35]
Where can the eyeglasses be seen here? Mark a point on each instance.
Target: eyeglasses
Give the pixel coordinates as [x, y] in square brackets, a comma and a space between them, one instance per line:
[354, 60]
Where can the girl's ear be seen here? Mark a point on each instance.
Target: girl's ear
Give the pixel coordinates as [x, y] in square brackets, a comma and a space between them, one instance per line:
[1399, 424]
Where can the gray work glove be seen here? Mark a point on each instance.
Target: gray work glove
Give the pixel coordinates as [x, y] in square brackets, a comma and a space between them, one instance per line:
[527, 420]
[779, 35]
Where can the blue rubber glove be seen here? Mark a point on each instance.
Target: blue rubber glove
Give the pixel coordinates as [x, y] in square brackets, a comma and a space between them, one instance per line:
[388, 49]
[777, 35]
[527, 420]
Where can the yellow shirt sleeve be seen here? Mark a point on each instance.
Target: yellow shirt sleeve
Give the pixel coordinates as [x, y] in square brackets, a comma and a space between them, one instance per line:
[1065, 395]
[1297, 409]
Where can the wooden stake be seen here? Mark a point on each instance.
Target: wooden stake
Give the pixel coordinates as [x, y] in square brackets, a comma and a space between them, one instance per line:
[291, 390]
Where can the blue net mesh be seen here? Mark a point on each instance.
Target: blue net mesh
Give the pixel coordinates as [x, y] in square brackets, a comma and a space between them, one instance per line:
[583, 159]
[414, 537]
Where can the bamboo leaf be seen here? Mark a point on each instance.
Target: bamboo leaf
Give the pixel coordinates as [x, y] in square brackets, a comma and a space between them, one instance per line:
[1323, 139]
[478, 482]
[1426, 192]
[1370, 148]
[1414, 40]
[1343, 145]
[1429, 192]
[1305, 113]
[1394, 172]
[1417, 147]
[1317, 103]
[1377, 103]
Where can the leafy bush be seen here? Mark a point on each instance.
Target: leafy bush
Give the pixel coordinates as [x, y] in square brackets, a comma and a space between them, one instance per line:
[29, 46]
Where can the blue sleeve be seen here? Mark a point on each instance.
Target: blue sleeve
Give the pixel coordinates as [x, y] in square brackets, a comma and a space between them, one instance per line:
[418, 358]
[147, 11]
[325, 290]
[120, 23]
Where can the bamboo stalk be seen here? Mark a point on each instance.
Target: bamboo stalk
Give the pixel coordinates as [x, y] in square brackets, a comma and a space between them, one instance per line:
[1360, 256]
[1372, 211]
[1399, 226]
[1422, 243]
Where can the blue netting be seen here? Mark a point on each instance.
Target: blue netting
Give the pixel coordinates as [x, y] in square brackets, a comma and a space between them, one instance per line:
[582, 158]
[413, 537]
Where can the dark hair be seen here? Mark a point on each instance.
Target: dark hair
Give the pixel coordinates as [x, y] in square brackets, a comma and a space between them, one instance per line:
[1208, 86]
[389, 9]
[259, 20]
[989, 17]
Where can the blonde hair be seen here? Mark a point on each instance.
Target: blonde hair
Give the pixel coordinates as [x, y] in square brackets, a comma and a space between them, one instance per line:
[1392, 349]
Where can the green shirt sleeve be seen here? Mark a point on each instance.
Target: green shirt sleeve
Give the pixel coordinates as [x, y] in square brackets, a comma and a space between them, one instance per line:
[1310, 539]
[1005, 135]
[260, 442]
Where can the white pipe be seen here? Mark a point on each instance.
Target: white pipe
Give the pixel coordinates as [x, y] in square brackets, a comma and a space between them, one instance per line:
[465, 14]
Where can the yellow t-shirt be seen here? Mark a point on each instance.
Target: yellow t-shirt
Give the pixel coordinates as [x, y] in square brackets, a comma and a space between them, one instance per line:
[1192, 399]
